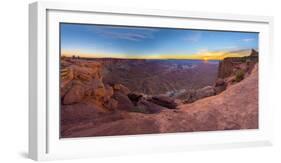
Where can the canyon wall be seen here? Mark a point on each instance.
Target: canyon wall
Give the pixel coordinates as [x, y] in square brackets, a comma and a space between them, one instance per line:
[232, 65]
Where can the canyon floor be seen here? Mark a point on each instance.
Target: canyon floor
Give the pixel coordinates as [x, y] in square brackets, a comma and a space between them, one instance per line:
[105, 97]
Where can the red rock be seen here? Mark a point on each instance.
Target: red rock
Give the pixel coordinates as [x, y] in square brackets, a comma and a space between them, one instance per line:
[220, 82]
[74, 95]
[254, 53]
[121, 88]
[124, 103]
[67, 75]
[108, 93]
[111, 104]
[229, 66]
[79, 111]
[235, 108]
[96, 109]
[135, 97]
[164, 101]
[145, 106]
[205, 92]
[220, 89]
[220, 86]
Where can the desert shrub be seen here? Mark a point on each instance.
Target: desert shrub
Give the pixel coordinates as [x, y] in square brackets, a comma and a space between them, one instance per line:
[239, 75]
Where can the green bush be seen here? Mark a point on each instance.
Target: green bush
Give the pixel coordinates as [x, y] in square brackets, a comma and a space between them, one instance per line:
[239, 75]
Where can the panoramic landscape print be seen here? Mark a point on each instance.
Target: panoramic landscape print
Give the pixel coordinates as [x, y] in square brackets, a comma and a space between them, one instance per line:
[125, 80]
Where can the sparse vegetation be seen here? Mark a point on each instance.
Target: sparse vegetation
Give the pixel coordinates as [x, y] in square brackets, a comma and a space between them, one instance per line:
[239, 75]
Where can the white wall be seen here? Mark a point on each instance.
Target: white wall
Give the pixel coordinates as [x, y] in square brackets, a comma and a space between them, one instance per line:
[14, 79]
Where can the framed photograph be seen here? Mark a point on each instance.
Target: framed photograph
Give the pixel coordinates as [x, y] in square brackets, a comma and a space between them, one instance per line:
[109, 81]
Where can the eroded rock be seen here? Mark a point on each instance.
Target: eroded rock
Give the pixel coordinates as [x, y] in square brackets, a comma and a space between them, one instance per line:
[121, 88]
[124, 103]
[194, 95]
[135, 97]
[220, 86]
[145, 106]
[74, 95]
[205, 92]
[164, 101]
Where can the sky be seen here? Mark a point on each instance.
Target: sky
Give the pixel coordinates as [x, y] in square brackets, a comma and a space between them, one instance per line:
[101, 41]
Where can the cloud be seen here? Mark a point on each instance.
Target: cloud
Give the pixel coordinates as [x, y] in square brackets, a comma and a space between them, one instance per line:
[124, 33]
[129, 28]
[233, 47]
[221, 54]
[126, 36]
[193, 37]
[202, 50]
[247, 39]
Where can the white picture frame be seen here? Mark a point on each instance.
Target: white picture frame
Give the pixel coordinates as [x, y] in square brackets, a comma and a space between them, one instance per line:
[44, 141]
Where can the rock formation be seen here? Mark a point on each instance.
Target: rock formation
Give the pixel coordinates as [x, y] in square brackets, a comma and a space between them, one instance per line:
[85, 95]
[231, 70]
[230, 66]
[91, 106]
[220, 112]
[164, 101]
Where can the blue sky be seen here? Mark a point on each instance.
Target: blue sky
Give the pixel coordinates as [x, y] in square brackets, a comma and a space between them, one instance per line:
[140, 42]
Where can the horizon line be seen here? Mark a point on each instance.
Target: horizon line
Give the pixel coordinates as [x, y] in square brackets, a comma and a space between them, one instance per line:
[209, 55]
[81, 57]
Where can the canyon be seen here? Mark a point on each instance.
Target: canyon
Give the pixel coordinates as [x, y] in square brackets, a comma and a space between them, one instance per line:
[107, 96]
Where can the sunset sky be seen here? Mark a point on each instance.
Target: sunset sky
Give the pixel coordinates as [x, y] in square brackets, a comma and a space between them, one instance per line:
[153, 43]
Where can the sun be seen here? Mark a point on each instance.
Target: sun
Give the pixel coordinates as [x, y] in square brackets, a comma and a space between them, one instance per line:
[205, 59]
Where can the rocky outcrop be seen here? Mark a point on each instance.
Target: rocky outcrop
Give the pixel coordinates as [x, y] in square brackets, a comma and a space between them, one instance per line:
[231, 70]
[85, 95]
[254, 54]
[234, 108]
[230, 66]
[121, 88]
[164, 101]
[124, 103]
[194, 95]
[205, 92]
[82, 81]
[135, 97]
[145, 106]
[74, 95]
[220, 85]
